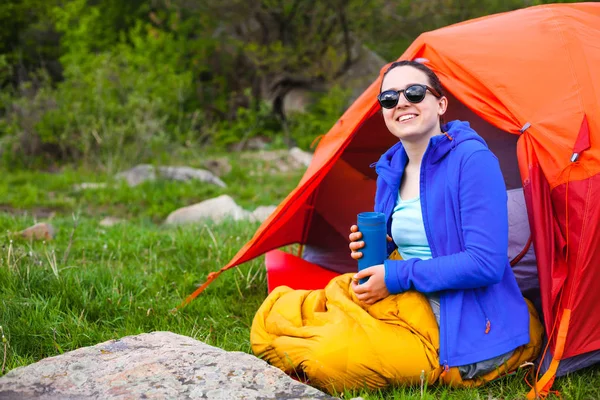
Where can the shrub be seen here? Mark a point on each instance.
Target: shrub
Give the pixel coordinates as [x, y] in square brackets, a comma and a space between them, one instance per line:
[319, 118]
[131, 100]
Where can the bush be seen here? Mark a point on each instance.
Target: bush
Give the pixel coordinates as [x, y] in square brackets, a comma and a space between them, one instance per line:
[319, 118]
[130, 101]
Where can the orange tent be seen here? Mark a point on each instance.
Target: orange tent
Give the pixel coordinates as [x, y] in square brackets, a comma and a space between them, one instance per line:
[529, 83]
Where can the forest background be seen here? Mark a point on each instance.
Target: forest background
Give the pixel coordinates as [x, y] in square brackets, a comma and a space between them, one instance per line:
[107, 83]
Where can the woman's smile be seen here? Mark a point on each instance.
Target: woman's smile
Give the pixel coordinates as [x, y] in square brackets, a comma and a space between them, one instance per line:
[406, 117]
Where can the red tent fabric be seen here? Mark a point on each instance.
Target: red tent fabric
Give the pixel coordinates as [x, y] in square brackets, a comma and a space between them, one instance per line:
[529, 82]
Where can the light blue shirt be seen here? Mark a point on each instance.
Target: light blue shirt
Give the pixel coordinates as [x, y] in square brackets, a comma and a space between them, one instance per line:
[408, 230]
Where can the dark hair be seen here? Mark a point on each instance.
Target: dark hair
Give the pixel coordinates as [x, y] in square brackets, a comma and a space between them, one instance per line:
[434, 81]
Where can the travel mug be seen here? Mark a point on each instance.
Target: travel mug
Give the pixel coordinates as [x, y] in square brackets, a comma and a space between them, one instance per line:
[374, 231]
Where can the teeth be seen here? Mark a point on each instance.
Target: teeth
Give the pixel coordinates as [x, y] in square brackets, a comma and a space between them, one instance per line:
[406, 117]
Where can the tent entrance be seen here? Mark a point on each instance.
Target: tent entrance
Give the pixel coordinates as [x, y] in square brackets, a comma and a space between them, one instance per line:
[349, 188]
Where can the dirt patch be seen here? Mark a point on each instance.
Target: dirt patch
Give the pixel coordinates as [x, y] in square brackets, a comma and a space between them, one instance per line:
[37, 212]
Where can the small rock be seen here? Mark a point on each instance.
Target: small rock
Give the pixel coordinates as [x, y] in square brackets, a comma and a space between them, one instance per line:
[216, 209]
[262, 213]
[138, 174]
[145, 172]
[301, 156]
[39, 231]
[254, 143]
[297, 100]
[110, 221]
[90, 185]
[218, 166]
[157, 365]
[185, 174]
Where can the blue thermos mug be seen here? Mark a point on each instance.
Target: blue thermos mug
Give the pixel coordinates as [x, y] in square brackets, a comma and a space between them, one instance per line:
[374, 232]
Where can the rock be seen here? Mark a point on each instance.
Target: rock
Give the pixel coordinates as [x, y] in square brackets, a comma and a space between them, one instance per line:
[39, 231]
[185, 174]
[218, 166]
[145, 172]
[253, 143]
[153, 365]
[262, 213]
[363, 71]
[302, 157]
[111, 221]
[89, 185]
[138, 174]
[297, 100]
[216, 209]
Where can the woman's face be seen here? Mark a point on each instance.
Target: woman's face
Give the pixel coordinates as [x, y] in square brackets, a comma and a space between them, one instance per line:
[412, 121]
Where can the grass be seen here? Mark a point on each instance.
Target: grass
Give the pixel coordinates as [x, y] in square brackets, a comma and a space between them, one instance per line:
[95, 283]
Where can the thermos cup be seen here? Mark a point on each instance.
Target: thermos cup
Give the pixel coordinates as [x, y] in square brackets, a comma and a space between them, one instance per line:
[374, 231]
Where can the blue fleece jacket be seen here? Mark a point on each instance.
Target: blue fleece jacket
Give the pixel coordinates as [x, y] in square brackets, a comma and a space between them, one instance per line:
[463, 200]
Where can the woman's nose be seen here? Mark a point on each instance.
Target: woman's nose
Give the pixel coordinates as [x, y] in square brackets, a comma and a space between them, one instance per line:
[402, 102]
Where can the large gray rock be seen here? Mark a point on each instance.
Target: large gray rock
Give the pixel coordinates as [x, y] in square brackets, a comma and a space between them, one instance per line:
[145, 172]
[216, 209]
[159, 365]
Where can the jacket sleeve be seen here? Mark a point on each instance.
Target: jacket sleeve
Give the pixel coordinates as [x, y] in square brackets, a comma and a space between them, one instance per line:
[484, 217]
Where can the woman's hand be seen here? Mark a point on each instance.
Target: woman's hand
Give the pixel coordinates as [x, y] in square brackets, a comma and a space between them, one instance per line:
[374, 289]
[356, 244]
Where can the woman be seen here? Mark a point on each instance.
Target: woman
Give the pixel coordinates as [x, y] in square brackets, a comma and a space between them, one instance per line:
[450, 311]
[443, 194]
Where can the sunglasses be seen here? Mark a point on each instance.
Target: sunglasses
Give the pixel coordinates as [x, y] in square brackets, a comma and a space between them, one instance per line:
[414, 93]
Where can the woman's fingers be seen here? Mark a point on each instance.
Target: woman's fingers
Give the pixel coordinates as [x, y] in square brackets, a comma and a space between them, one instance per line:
[355, 236]
[355, 246]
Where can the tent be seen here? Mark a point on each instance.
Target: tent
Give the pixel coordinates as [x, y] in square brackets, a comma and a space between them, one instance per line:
[529, 83]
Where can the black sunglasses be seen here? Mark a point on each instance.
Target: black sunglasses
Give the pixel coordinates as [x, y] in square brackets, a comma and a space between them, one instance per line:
[414, 93]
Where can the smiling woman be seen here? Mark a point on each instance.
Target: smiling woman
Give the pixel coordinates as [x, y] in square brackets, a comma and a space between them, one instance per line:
[444, 196]
[432, 309]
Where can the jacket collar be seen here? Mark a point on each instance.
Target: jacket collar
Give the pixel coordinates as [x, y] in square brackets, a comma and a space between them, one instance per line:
[391, 164]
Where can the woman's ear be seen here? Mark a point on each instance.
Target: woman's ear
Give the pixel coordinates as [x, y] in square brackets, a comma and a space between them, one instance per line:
[442, 105]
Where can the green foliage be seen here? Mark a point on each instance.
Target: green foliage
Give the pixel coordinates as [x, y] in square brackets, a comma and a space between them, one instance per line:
[132, 100]
[252, 122]
[111, 82]
[319, 118]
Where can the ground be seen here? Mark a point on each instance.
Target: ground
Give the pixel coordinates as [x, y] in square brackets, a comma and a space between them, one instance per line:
[94, 283]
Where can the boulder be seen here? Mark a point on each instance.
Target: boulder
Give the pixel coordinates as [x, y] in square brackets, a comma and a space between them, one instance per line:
[216, 209]
[156, 365]
[145, 172]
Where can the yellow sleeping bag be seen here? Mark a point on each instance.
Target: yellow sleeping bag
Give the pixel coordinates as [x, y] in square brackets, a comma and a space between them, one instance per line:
[339, 343]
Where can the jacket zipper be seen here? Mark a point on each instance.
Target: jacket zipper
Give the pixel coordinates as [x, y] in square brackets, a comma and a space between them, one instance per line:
[444, 353]
[488, 324]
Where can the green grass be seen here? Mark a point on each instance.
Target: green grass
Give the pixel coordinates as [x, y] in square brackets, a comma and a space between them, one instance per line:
[95, 283]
